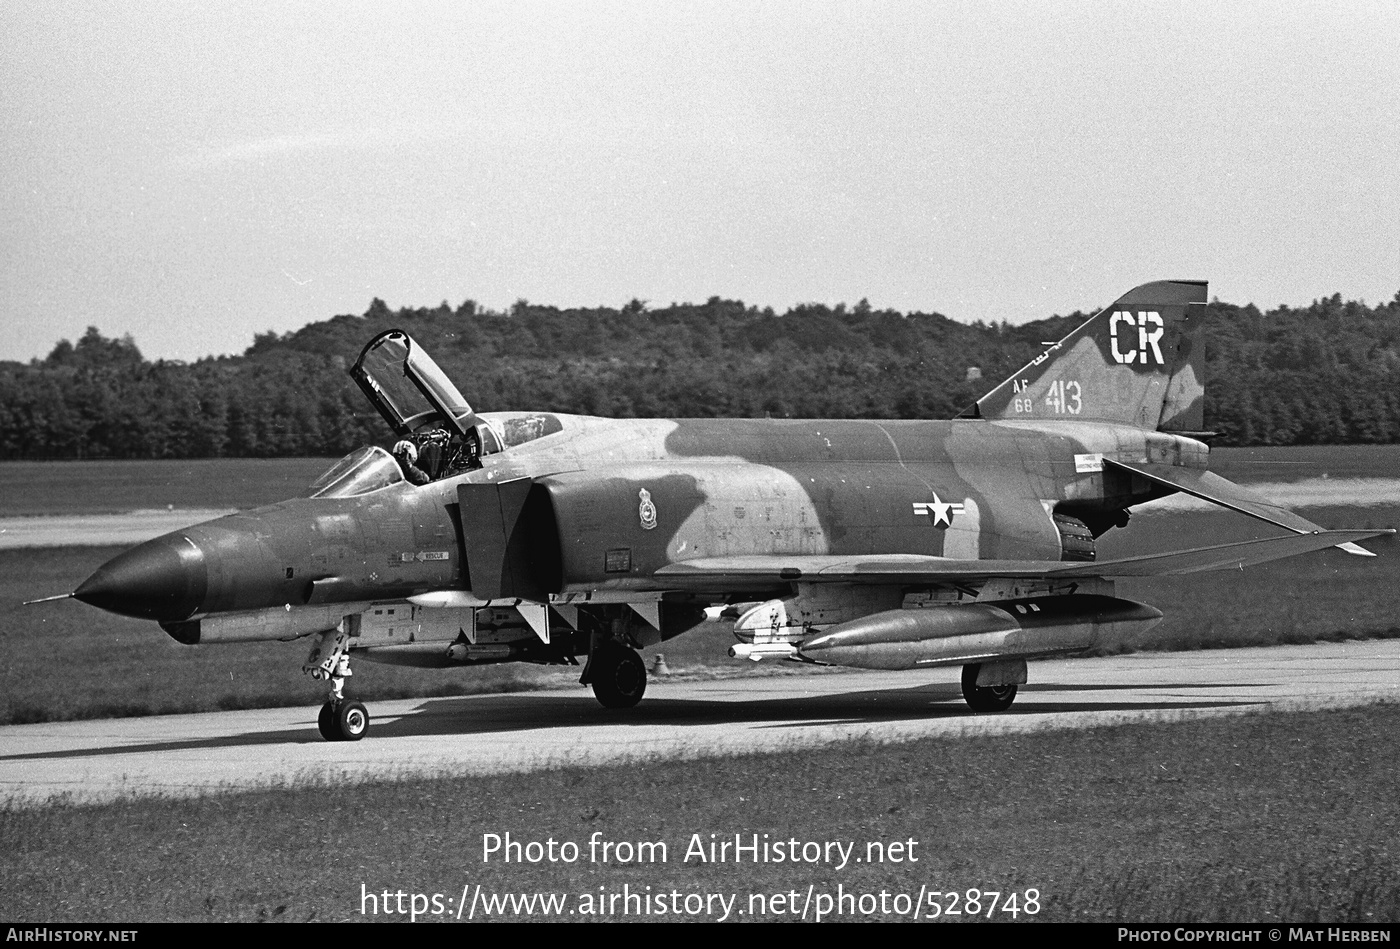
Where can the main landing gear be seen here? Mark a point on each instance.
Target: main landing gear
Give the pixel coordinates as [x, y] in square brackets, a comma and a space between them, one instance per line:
[999, 692]
[341, 719]
[617, 674]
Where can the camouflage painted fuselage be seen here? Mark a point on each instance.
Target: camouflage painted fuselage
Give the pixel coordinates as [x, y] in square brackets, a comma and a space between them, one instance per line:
[725, 488]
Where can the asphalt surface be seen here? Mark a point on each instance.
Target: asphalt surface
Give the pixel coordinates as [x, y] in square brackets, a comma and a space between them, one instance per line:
[191, 754]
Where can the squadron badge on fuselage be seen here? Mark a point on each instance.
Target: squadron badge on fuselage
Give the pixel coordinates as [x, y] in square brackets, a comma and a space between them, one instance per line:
[646, 511]
[941, 511]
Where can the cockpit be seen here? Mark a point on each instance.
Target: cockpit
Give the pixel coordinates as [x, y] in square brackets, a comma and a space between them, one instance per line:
[438, 432]
[360, 472]
[439, 435]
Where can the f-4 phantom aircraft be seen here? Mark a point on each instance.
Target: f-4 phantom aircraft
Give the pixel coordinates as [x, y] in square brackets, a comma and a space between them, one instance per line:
[546, 538]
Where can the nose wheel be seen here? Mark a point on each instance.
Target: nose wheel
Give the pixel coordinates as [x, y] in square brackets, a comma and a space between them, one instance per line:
[343, 720]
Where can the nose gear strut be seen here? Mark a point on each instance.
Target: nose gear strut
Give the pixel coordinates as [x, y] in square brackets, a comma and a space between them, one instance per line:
[340, 719]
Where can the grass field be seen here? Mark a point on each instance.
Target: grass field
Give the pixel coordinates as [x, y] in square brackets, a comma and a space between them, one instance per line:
[104, 487]
[1306, 461]
[1255, 818]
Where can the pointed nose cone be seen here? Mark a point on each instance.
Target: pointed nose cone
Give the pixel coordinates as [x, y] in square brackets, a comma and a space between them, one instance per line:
[163, 579]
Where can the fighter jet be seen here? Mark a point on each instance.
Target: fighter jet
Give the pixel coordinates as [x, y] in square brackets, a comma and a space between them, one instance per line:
[547, 538]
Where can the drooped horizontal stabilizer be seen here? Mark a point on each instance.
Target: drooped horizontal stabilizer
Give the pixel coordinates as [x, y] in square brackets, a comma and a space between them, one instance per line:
[1210, 487]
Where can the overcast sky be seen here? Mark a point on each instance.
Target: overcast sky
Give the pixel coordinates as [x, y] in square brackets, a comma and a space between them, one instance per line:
[194, 173]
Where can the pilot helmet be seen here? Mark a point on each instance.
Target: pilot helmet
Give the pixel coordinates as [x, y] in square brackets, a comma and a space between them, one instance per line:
[406, 447]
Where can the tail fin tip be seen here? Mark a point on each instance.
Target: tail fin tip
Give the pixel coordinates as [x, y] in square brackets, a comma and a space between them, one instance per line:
[1138, 361]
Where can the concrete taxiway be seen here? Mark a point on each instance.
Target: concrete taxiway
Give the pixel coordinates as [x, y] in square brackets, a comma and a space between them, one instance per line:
[191, 754]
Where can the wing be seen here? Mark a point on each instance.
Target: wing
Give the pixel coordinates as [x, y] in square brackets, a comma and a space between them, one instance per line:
[710, 573]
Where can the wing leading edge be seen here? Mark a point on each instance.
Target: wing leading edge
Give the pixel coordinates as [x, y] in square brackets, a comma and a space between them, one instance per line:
[711, 572]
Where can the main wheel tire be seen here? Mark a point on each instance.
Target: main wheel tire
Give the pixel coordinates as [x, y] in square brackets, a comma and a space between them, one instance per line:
[352, 719]
[992, 698]
[326, 723]
[619, 677]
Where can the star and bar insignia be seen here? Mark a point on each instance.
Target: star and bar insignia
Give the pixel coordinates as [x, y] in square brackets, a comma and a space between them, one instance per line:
[941, 511]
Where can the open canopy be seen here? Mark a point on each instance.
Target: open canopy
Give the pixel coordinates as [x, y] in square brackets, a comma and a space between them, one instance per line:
[408, 388]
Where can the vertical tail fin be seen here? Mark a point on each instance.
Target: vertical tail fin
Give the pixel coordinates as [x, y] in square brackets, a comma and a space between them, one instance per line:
[1139, 362]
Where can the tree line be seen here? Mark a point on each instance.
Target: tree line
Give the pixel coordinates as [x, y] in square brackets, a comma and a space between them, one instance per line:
[1322, 374]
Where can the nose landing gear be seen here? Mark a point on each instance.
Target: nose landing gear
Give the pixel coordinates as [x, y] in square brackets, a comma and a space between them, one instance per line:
[343, 720]
[340, 719]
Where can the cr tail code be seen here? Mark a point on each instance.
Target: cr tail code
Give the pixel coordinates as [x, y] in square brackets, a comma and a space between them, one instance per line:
[1149, 328]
